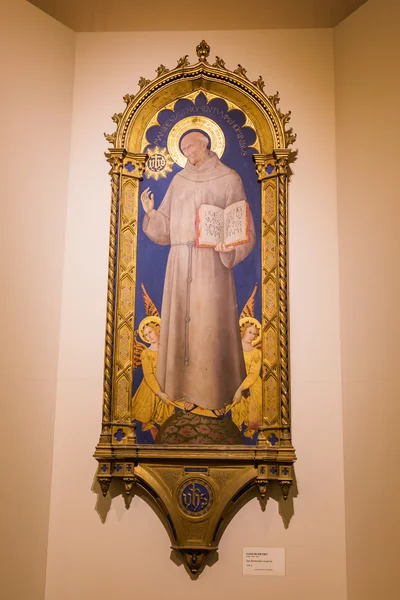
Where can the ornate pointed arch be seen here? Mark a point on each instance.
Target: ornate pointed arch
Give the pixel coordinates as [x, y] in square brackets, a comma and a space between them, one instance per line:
[213, 80]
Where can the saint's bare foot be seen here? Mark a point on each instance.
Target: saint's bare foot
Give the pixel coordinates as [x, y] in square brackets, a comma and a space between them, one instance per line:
[188, 406]
[219, 412]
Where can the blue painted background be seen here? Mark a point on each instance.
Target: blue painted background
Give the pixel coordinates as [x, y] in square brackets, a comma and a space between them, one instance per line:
[151, 257]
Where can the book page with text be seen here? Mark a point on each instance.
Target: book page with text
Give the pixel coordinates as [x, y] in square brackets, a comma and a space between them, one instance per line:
[236, 225]
[210, 225]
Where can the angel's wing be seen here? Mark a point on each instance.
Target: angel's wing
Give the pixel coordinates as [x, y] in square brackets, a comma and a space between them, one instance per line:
[248, 310]
[138, 348]
[149, 306]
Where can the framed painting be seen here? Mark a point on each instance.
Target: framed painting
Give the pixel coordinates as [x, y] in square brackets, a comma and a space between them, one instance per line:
[196, 408]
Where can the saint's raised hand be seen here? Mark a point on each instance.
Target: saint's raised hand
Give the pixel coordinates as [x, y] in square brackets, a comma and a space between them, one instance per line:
[147, 199]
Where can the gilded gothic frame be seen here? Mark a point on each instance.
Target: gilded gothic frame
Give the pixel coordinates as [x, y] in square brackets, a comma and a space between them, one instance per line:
[229, 474]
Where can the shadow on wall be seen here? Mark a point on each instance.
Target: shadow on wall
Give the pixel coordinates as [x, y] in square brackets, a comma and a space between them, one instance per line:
[117, 488]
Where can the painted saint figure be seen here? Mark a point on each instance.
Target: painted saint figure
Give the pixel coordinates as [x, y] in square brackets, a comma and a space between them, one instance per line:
[200, 357]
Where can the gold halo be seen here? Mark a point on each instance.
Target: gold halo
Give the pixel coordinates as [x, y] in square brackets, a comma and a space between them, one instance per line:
[255, 322]
[143, 323]
[204, 124]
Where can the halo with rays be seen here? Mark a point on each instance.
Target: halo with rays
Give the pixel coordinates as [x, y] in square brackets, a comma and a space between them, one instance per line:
[205, 124]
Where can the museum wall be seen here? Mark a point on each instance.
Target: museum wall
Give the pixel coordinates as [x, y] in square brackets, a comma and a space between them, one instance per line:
[367, 58]
[36, 70]
[97, 548]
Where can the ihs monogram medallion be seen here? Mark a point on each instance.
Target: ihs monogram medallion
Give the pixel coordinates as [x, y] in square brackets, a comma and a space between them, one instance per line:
[159, 163]
[195, 497]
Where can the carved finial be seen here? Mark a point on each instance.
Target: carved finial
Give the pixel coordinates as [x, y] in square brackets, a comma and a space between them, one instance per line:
[285, 118]
[143, 82]
[262, 485]
[274, 99]
[290, 137]
[128, 98]
[219, 63]
[285, 487]
[203, 51]
[240, 71]
[161, 70]
[129, 482]
[104, 484]
[194, 559]
[116, 117]
[110, 137]
[183, 62]
[260, 83]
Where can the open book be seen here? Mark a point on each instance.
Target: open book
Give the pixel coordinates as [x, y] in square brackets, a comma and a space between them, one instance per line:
[230, 226]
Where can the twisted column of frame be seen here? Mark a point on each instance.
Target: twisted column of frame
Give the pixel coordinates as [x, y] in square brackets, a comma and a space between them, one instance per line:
[115, 158]
[282, 172]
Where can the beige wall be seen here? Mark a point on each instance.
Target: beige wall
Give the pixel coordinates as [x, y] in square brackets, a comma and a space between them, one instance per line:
[88, 558]
[36, 108]
[367, 59]
[37, 60]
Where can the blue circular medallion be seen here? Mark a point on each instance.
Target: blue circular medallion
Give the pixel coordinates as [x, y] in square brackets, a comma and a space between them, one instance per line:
[195, 497]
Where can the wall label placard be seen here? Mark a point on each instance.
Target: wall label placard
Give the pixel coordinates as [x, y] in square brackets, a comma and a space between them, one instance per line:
[264, 561]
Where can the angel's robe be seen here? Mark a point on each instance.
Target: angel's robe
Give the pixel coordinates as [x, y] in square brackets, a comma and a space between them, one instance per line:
[200, 356]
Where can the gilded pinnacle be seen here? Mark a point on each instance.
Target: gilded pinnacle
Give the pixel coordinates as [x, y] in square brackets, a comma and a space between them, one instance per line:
[203, 51]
